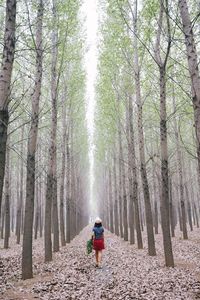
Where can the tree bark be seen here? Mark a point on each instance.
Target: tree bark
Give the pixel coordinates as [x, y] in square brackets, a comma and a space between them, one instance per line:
[51, 194]
[36, 207]
[155, 192]
[120, 190]
[111, 201]
[64, 134]
[54, 82]
[116, 215]
[124, 193]
[193, 69]
[40, 198]
[2, 219]
[41, 209]
[180, 174]
[145, 185]
[7, 199]
[188, 207]
[194, 203]
[20, 204]
[68, 194]
[164, 206]
[171, 209]
[72, 183]
[130, 179]
[179, 217]
[5, 81]
[27, 271]
[134, 176]
[106, 197]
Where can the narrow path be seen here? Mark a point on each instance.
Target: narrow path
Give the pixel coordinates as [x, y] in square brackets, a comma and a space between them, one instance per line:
[127, 273]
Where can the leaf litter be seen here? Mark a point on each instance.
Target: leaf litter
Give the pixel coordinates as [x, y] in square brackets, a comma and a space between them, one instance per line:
[126, 273]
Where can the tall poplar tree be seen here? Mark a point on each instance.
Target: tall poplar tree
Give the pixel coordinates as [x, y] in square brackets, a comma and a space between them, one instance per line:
[27, 271]
[5, 82]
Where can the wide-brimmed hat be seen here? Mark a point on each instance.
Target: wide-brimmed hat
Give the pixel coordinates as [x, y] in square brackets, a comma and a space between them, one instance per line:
[98, 220]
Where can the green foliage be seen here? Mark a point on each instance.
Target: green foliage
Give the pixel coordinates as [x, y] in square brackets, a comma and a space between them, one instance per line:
[114, 81]
[70, 71]
[116, 76]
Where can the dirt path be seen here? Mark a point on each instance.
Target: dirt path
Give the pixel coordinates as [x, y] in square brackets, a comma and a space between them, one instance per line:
[127, 273]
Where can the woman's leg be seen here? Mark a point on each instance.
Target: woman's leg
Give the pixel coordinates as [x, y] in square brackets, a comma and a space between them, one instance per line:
[96, 255]
[99, 256]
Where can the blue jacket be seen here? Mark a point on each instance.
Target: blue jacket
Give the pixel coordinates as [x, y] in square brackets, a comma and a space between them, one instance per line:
[98, 232]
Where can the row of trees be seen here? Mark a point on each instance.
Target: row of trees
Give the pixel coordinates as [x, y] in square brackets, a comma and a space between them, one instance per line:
[147, 143]
[43, 136]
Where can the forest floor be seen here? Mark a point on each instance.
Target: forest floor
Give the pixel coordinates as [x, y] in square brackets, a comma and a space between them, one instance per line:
[126, 273]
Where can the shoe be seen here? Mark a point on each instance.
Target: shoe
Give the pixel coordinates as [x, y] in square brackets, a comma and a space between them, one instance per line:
[99, 267]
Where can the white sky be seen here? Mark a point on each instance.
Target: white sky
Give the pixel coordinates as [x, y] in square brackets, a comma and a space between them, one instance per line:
[91, 24]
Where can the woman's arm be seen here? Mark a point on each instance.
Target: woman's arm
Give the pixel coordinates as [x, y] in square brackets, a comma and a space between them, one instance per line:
[93, 235]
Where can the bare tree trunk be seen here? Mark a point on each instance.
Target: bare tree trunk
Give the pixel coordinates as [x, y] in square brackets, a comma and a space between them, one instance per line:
[164, 173]
[48, 223]
[27, 271]
[68, 194]
[155, 198]
[164, 207]
[7, 199]
[54, 83]
[116, 216]
[188, 208]
[124, 193]
[5, 81]
[111, 201]
[13, 205]
[19, 205]
[37, 196]
[106, 195]
[147, 202]
[141, 213]
[36, 218]
[23, 209]
[40, 195]
[77, 199]
[65, 138]
[40, 208]
[134, 176]
[2, 219]
[64, 122]
[51, 209]
[120, 191]
[196, 215]
[17, 196]
[180, 174]
[36, 207]
[193, 69]
[179, 217]
[194, 203]
[193, 214]
[130, 178]
[171, 209]
[72, 185]
[55, 217]
[104, 216]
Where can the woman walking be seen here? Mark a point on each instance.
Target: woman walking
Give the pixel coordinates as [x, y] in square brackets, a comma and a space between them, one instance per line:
[98, 240]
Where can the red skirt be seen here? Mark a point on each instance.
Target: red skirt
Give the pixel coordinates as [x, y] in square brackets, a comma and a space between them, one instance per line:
[98, 244]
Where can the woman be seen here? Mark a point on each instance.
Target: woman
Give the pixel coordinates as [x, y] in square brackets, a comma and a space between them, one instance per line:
[98, 240]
